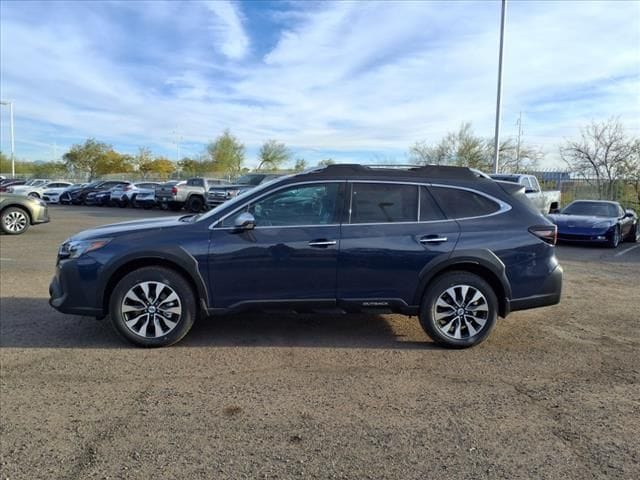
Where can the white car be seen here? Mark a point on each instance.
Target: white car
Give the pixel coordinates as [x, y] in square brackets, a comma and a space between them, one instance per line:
[36, 187]
[52, 195]
[124, 195]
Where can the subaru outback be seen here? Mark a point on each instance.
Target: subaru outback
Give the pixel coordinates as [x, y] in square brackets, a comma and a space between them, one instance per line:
[441, 243]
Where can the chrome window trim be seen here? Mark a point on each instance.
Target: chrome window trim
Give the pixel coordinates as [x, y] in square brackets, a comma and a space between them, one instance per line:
[503, 206]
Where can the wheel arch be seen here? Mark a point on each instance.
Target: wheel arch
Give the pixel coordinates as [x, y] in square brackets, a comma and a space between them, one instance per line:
[150, 260]
[483, 263]
[21, 207]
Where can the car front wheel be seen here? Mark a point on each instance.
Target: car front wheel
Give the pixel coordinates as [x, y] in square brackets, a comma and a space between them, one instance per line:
[614, 240]
[153, 307]
[14, 221]
[459, 310]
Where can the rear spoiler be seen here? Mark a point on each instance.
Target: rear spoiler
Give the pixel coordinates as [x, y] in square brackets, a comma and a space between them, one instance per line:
[510, 187]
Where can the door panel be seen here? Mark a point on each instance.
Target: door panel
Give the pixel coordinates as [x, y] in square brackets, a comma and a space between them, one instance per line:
[291, 254]
[384, 261]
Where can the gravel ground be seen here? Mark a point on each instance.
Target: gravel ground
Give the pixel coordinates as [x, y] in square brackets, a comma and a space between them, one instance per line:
[552, 394]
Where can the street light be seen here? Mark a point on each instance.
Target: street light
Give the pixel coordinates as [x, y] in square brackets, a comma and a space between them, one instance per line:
[496, 144]
[13, 143]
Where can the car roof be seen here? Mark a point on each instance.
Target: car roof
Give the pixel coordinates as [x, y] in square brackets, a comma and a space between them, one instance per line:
[421, 173]
[610, 202]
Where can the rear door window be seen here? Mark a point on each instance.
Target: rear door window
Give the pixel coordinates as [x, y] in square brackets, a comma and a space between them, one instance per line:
[458, 203]
[383, 203]
[429, 209]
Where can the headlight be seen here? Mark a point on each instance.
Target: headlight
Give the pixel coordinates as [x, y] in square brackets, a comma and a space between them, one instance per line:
[38, 201]
[76, 248]
[603, 225]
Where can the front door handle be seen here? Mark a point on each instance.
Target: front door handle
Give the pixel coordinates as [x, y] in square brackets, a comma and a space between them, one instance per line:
[322, 243]
[432, 239]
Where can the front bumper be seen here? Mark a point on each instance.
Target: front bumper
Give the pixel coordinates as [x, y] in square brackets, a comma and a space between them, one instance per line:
[40, 214]
[68, 291]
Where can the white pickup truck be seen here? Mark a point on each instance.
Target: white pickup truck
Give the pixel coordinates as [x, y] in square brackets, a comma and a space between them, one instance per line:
[547, 201]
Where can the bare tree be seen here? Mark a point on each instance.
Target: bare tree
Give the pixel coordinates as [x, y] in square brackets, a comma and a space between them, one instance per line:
[601, 155]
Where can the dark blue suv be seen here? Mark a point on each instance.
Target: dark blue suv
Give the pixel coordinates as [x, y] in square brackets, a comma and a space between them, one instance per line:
[442, 243]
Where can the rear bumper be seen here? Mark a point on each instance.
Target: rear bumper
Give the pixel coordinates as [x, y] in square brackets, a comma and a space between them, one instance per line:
[549, 293]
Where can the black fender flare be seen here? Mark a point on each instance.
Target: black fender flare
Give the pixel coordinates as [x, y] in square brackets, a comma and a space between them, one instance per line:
[483, 259]
[164, 255]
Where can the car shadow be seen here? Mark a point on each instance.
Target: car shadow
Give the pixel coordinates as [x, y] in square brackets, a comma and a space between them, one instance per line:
[32, 323]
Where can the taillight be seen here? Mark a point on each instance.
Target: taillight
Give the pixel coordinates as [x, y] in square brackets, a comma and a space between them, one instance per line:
[547, 233]
[174, 191]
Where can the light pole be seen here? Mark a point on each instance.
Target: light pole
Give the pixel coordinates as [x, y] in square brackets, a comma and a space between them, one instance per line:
[13, 143]
[496, 145]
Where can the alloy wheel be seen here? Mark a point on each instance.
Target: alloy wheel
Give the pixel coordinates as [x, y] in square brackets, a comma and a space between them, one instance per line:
[151, 309]
[15, 221]
[461, 312]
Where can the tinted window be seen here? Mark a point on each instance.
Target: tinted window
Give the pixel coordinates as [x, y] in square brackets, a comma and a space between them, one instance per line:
[383, 203]
[457, 203]
[429, 209]
[315, 204]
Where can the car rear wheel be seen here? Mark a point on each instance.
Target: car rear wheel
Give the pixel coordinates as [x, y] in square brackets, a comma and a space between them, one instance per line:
[14, 221]
[634, 236]
[459, 310]
[153, 307]
[195, 204]
[614, 240]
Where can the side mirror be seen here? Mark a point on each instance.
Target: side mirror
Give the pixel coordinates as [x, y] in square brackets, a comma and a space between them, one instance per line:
[244, 221]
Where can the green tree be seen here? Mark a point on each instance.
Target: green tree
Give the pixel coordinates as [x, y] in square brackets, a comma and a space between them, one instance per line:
[113, 162]
[300, 165]
[49, 170]
[326, 162]
[464, 148]
[160, 167]
[86, 157]
[191, 166]
[273, 155]
[225, 154]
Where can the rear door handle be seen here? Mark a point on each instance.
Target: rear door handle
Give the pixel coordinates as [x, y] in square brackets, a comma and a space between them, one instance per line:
[322, 243]
[432, 239]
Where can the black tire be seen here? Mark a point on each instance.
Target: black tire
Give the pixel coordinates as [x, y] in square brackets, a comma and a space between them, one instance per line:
[170, 278]
[34, 195]
[133, 203]
[634, 236]
[195, 204]
[474, 316]
[123, 203]
[615, 239]
[14, 221]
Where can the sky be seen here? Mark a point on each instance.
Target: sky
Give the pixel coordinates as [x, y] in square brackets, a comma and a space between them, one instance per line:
[354, 81]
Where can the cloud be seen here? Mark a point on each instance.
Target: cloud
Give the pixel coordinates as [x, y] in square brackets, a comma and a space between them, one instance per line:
[351, 80]
[228, 29]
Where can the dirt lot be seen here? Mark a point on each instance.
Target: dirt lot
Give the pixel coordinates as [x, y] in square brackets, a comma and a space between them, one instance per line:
[554, 393]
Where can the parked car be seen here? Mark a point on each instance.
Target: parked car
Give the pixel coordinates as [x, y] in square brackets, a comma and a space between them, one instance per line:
[78, 197]
[18, 212]
[100, 198]
[124, 195]
[38, 189]
[52, 195]
[547, 201]
[596, 221]
[190, 194]
[437, 242]
[27, 186]
[219, 194]
[7, 184]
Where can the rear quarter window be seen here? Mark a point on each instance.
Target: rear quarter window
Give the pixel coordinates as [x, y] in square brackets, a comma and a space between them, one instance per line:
[457, 203]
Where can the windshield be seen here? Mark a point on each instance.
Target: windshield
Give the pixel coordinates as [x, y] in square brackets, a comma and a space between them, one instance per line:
[240, 198]
[592, 209]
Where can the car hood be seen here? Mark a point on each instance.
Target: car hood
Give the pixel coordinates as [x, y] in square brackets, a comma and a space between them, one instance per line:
[581, 221]
[135, 226]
